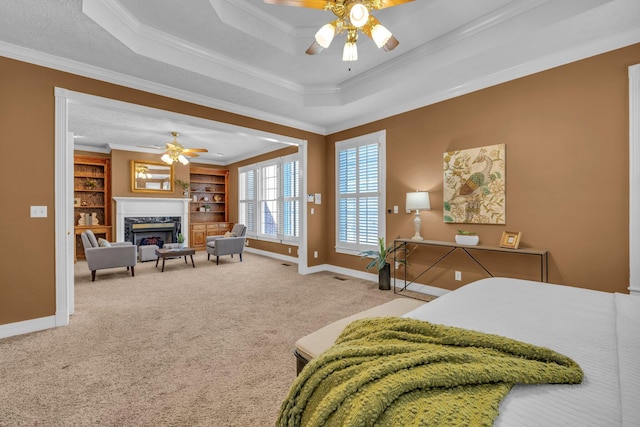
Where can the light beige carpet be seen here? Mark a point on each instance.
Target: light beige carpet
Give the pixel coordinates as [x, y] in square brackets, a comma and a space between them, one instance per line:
[210, 345]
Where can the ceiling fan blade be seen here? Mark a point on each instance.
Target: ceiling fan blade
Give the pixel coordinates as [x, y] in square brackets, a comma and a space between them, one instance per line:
[201, 150]
[314, 49]
[185, 153]
[313, 4]
[391, 3]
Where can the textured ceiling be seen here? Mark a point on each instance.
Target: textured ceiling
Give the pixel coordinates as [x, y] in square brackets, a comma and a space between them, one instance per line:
[247, 57]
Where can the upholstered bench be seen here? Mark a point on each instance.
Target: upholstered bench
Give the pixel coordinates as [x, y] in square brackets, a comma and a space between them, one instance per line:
[147, 253]
[315, 343]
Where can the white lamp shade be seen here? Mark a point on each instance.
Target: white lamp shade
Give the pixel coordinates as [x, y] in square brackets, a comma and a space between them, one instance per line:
[350, 52]
[182, 159]
[165, 158]
[359, 15]
[380, 35]
[325, 35]
[418, 201]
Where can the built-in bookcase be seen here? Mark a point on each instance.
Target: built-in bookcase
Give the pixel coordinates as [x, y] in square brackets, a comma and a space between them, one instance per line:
[92, 198]
[209, 210]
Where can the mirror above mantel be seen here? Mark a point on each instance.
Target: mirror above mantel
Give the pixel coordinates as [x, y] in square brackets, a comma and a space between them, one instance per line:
[151, 177]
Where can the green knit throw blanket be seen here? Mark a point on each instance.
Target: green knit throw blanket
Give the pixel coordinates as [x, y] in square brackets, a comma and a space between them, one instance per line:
[392, 371]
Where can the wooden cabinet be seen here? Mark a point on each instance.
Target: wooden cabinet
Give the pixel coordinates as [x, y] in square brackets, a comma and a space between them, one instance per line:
[208, 210]
[199, 233]
[92, 198]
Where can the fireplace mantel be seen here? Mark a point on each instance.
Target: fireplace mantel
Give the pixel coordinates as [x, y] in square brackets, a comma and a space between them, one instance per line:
[150, 206]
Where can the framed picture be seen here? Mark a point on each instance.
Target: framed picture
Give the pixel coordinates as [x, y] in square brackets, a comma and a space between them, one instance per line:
[76, 201]
[474, 185]
[510, 239]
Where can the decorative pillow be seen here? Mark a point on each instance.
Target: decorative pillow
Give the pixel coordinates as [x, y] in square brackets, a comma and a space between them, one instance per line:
[103, 243]
[229, 234]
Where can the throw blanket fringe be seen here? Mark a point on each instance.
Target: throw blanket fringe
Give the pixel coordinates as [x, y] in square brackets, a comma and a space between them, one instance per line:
[392, 371]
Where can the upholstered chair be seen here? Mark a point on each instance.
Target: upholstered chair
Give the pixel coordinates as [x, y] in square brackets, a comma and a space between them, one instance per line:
[109, 255]
[227, 245]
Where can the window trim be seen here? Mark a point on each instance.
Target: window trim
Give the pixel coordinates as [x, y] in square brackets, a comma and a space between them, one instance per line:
[375, 137]
[257, 168]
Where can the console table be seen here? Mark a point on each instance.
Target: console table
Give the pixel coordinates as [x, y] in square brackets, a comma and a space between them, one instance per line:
[401, 245]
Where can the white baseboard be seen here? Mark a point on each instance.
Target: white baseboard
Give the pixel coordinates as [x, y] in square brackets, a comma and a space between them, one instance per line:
[415, 287]
[281, 257]
[27, 326]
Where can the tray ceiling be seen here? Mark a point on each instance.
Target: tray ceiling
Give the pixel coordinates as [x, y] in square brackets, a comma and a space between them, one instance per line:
[248, 57]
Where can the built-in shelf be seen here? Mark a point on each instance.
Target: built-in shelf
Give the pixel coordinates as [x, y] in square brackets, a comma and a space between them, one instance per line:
[92, 198]
[208, 187]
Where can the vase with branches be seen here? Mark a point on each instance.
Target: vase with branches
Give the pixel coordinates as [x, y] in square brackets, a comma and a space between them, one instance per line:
[184, 185]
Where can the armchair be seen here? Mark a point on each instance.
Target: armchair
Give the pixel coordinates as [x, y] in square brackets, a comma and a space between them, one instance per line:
[221, 245]
[119, 254]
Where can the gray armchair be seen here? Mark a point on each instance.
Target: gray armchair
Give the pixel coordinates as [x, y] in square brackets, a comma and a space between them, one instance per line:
[120, 254]
[220, 245]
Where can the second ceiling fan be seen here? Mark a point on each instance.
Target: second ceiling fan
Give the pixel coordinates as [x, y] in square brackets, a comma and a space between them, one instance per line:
[352, 16]
[176, 152]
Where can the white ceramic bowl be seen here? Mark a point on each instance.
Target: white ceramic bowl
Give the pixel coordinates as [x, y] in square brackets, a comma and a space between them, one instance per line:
[467, 239]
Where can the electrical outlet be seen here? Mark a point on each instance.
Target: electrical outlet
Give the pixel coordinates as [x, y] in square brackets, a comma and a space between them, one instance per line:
[289, 250]
[315, 254]
[458, 275]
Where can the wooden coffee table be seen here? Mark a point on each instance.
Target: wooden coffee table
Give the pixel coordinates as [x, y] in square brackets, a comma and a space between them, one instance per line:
[174, 253]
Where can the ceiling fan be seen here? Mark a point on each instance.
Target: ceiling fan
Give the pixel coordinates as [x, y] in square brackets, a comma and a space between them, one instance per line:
[176, 151]
[353, 16]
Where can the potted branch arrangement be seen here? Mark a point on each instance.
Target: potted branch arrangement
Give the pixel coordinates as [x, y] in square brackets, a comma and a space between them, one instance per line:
[185, 187]
[379, 262]
[180, 239]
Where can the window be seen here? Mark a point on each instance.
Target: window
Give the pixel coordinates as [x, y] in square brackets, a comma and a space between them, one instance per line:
[247, 199]
[269, 199]
[360, 201]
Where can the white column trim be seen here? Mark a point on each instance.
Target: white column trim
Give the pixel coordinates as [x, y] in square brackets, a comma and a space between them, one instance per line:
[634, 179]
[63, 199]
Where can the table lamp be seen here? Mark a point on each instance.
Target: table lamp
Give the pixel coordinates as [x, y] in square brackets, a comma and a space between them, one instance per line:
[418, 200]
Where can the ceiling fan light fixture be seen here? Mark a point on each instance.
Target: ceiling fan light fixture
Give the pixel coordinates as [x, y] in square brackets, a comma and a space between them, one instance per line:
[325, 35]
[350, 52]
[380, 35]
[182, 159]
[358, 15]
[167, 159]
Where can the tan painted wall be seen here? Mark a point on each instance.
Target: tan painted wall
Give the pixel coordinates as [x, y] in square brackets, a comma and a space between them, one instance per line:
[566, 132]
[27, 109]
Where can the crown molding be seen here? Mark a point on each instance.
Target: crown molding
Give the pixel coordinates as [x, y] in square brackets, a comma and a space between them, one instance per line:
[554, 60]
[263, 26]
[161, 46]
[70, 66]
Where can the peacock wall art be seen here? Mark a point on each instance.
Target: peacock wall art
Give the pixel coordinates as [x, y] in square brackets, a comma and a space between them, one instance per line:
[474, 185]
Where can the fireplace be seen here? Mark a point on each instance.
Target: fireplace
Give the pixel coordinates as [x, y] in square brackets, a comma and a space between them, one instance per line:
[140, 218]
[152, 230]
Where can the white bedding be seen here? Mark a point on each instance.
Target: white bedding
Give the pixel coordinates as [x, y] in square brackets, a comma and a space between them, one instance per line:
[599, 330]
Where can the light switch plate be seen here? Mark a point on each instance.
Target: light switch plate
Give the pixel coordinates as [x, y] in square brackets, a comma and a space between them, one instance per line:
[38, 211]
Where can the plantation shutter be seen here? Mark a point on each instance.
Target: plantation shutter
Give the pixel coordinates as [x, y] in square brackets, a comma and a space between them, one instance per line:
[359, 194]
[290, 218]
[247, 200]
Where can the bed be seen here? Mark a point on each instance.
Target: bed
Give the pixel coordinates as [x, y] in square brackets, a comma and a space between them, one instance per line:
[597, 330]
